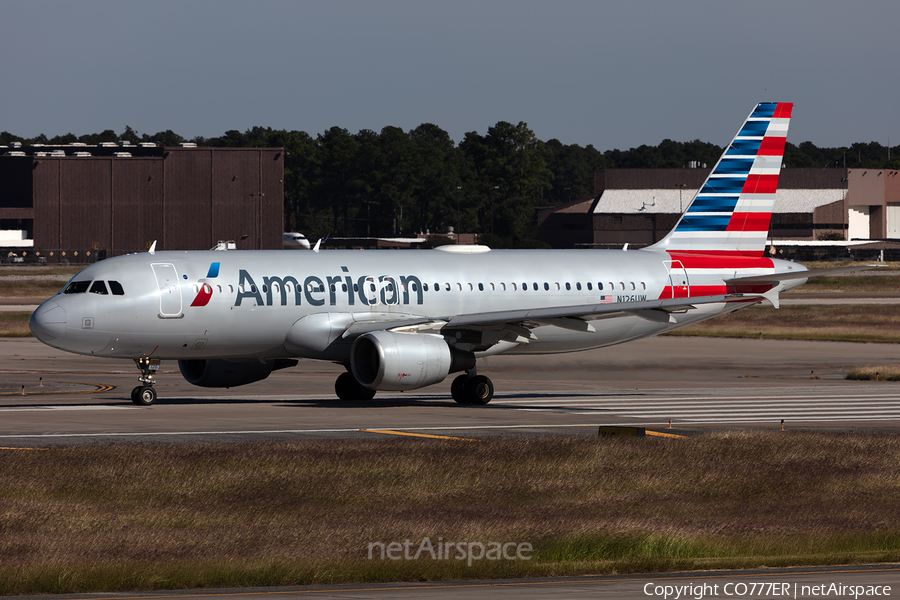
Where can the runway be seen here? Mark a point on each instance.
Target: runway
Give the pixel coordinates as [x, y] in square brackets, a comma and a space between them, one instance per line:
[694, 383]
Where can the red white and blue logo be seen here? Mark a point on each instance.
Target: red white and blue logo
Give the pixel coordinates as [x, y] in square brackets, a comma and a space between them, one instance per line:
[206, 290]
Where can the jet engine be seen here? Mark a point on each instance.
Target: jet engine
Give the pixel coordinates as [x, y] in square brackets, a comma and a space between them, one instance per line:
[230, 373]
[385, 360]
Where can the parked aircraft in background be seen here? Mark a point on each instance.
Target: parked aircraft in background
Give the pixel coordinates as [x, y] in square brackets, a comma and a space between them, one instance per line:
[403, 320]
[294, 240]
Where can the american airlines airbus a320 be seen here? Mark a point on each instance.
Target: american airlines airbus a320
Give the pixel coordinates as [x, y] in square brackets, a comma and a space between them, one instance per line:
[402, 320]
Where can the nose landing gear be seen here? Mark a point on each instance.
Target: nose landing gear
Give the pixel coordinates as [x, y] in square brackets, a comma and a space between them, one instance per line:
[145, 395]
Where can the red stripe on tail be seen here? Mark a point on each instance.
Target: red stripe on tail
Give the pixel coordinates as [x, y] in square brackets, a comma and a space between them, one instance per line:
[772, 146]
[760, 184]
[749, 222]
[783, 110]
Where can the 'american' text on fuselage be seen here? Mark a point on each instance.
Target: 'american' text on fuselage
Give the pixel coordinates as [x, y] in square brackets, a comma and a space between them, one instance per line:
[317, 291]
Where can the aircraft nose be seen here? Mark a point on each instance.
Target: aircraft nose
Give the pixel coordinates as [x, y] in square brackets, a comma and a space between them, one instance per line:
[48, 322]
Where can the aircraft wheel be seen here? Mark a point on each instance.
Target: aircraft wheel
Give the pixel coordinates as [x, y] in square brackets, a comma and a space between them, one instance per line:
[479, 390]
[347, 388]
[458, 389]
[143, 395]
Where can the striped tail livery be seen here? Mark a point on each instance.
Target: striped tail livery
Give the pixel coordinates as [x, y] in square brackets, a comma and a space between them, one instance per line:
[731, 212]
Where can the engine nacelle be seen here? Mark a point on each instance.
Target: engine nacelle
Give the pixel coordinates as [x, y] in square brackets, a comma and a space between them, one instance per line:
[385, 360]
[229, 373]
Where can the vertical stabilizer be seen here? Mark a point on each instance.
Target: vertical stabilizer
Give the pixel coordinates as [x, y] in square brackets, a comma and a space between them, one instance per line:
[731, 212]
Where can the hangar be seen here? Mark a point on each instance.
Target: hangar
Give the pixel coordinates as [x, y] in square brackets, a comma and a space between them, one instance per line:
[80, 203]
[639, 206]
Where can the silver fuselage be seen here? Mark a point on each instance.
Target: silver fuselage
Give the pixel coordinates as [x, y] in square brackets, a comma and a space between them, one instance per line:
[278, 304]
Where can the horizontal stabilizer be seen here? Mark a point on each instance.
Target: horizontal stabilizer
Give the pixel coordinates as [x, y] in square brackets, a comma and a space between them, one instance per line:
[775, 277]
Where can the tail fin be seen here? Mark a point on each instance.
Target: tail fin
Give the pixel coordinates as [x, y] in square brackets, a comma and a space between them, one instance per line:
[731, 212]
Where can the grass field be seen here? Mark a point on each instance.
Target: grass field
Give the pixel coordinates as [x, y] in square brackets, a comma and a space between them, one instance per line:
[120, 517]
[14, 324]
[854, 323]
[875, 373]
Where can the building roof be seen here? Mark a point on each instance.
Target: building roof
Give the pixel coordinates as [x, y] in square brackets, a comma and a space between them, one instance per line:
[669, 201]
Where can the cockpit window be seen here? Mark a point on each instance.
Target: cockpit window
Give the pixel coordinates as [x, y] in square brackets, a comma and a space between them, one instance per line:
[77, 287]
[98, 287]
[116, 288]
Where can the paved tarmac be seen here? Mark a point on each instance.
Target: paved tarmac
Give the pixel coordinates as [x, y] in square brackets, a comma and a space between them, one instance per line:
[697, 383]
[857, 581]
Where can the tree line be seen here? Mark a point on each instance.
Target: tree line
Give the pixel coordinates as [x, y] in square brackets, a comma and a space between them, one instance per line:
[396, 183]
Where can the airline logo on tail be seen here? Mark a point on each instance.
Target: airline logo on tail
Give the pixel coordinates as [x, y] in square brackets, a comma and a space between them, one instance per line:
[731, 212]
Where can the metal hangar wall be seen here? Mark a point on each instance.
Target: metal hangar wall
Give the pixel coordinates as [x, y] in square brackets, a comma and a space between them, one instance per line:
[115, 202]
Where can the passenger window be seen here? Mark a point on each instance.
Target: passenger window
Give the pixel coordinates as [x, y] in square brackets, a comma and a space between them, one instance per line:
[77, 287]
[480, 287]
[577, 286]
[116, 288]
[546, 287]
[643, 286]
[569, 286]
[99, 287]
[632, 286]
[446, 287]
[590, 287]
[535, 286]
[424, 287]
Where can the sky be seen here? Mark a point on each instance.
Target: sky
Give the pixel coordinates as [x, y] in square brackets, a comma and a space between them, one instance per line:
[610, 74]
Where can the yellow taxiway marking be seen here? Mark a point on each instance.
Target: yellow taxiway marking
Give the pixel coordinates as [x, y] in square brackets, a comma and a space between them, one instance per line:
[666, 435]
[2, 448]
[424, 435]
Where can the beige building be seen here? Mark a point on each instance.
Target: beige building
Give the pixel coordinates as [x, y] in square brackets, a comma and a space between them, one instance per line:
[639, 206]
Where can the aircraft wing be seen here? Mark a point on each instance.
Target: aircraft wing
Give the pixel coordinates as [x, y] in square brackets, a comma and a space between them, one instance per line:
[568, 317]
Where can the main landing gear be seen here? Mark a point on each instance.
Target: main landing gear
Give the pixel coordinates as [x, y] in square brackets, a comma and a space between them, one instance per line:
[471, 388]
[348, 388]
[145, 395]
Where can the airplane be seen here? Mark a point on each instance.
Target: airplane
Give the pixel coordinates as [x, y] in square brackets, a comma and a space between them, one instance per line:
[294, 240]
[406, 319]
